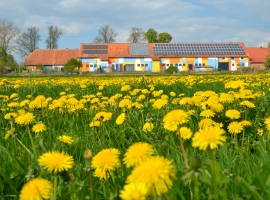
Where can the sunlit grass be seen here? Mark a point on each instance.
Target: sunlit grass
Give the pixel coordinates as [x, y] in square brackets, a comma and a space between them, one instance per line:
[88, 111]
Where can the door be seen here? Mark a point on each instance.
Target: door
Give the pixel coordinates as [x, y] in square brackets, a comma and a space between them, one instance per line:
[129, 67]
[190, 67]
[223, 66]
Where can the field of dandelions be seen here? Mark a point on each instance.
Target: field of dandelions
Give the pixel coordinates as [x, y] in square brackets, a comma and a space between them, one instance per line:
[135, 138]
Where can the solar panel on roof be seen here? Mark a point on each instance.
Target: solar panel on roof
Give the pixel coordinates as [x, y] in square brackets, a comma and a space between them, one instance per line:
[139, 49]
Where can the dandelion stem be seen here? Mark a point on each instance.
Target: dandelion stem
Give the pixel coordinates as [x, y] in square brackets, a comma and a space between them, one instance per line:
[214, 181]
[183, 152]
[91, 184]
[166, 197]
[55, 187]
[196, 187]
[32, 142]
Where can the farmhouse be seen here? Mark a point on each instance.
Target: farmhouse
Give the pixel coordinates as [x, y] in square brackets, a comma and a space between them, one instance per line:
[151, 57]
[257, 56]
[155, 57]
[51, 59]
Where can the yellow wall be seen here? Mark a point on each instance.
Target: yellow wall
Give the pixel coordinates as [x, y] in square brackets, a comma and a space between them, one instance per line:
[156, 66]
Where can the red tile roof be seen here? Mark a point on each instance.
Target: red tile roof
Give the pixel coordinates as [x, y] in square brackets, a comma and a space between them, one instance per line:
[116, 50]
[257, 54]
[51, 56]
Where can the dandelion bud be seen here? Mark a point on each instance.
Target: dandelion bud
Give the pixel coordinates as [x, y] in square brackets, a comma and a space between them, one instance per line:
[195, 163]
[88, 154]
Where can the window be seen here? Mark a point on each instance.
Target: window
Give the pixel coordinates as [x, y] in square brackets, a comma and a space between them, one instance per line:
[168, 65]
[200, 64]
[223, 58]
[233, 64]
[87, 65]
[142, 65]
[91, 65]
[232, 58]
[176, 65]
[95, 65]
[184, 64]
[196, 64]
[180, 64]
[138, 65]
[242, 64]
[146, 65]
[203, 64]
[112, 65]
[242, 58]
[116, 65]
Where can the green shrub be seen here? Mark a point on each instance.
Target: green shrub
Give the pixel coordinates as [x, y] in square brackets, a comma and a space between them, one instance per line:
[172, 69]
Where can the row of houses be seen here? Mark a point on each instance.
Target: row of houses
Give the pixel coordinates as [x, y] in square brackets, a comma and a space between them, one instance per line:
[152, 57]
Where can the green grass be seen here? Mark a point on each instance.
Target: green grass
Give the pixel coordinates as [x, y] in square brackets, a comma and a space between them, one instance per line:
[241, 164]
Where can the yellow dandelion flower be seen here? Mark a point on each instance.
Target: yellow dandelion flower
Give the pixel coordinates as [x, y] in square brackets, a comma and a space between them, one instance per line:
[24, 103]
[94, 124]
[10, 115]
[156, 173]
[13, 105]
[185, 100]
[55, 161]
[160, 103]
[267, 123]
[39, 127]
[106, 159]
[14, 95]
[16, 86]
[103, 116]
[217, 107]
[247, 104]
[141, 97]
[120, 119]
[174, 118]
[172, 94]
[233, 114]
[260, 131]
[164, 97]
[207, 113]
[245, 123]
[208, 137]
[235, 128]
[101, 173]
[125, 88]
[125, 103]
[137, 105]
[191, 112]
[137, 153]
[25, 119]
[185, 133]
[37, 188]
[175, 101]
[226, 98]
[134, 191]
[65, 139]
[9, 133]
[148, 127]
[145, 91]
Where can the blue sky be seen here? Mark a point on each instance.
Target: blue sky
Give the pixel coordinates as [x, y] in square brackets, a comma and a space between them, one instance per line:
[245, 21]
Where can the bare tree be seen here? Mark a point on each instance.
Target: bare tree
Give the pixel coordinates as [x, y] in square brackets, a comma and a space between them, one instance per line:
[8, 33]
[136, 35]
[28, 41]
[54, 34]
[106, 35]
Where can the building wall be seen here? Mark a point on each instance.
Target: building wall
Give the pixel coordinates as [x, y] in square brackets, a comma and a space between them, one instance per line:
[118, 64]
[258, 66]
[147, 64]
[203, 63]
